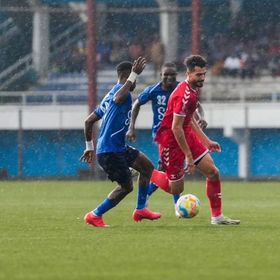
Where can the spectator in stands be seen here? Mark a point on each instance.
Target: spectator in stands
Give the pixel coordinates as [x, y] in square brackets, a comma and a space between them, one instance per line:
[77, 61]
[274, 66]
[119, 50]
[217, 68]
[135, 49]
[157, 53]
[247, 66]
[232, 66]
[103, 49]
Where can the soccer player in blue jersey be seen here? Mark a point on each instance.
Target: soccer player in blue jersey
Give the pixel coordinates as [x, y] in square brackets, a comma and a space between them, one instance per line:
[158, 94]
[113, 154]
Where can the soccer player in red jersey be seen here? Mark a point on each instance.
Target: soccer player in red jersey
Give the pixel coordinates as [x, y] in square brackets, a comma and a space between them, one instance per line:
[159, 94]
[182, 140]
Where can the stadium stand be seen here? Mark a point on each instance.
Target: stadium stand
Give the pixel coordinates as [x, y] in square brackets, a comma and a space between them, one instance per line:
[67, 88]
[58, 128]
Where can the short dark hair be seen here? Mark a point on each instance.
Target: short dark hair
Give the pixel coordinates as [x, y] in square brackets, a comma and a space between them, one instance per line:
[124, 67]
[169, 64]
[195, 60]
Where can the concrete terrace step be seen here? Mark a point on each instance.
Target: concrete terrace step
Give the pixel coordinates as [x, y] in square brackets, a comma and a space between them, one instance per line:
[215, 88]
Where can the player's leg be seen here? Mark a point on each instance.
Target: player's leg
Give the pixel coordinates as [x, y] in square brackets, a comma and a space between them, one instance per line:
[171, 181]
[176, 197]
[116, 167]
[213, 185]
[213, 190]
[145, 168]
[161, 179]
[153, 187]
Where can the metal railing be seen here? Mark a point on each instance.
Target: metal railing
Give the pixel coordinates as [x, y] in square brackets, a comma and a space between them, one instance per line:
[23, 65]
[67, 38]
[15, 71]
[43, 97]
[211, 93]
[226, 89]
[7, 28]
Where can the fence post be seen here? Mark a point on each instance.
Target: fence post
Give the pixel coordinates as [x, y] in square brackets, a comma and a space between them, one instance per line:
[20, 145]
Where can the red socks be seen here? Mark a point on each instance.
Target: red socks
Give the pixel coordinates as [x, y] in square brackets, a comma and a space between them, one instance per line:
[213, 191]
[160, 179]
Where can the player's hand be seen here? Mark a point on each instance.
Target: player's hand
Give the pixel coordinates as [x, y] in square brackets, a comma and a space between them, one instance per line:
[139, 65]
[131, 135]
[214, 146]
[87, 156]
[190, 168]
[202, 123]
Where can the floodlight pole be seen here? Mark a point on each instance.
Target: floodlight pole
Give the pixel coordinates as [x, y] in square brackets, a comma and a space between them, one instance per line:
[91, 54]
[196, 8]
[91, 65]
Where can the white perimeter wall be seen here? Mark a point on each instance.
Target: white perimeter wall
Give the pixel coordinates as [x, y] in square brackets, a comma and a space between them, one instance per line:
[218, 115]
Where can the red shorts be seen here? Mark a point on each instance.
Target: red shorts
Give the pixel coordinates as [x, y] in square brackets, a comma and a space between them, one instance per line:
[173, 159]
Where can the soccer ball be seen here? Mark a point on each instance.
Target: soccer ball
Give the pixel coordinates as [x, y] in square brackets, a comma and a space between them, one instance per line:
[188, 206]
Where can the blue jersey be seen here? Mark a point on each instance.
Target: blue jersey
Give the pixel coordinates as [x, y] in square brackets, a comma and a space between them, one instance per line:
[159, 99]
[115, 122]
[104, 104]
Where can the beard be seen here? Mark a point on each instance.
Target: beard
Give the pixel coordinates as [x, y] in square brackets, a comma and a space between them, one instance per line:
[199, 84]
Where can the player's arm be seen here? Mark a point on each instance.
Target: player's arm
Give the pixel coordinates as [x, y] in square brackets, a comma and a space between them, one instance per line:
[137, 68]
[131, 134]
[179, 134]
[87, 156]
[211, 145]
[199, 116]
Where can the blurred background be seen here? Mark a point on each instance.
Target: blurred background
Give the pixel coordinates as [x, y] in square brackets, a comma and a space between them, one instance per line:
[58, 60]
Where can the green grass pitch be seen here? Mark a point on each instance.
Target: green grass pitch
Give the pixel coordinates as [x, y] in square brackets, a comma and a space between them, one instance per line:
[43, 236]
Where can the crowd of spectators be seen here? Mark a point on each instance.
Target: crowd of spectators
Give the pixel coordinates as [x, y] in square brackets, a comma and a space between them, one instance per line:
[110, 52]
[249, 45]
[235, 58]
[246, 46]
[226, 56]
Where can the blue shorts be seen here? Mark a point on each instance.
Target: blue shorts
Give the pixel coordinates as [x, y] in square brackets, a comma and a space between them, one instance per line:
[116, 165]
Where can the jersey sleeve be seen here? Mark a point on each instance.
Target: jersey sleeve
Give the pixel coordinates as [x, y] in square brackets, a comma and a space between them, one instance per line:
[144, 96]
[103, 106]
[99, 112]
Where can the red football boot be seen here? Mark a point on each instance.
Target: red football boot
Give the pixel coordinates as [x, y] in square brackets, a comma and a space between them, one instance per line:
[96, 221]
[145, 213]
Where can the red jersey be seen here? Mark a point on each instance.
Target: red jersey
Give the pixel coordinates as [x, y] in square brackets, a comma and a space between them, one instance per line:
[183, 101]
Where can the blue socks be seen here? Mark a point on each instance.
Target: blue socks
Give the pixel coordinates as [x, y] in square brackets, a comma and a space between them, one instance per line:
[176, 197]
[143, 192]
[153, 188]
[142, 197]
[103, 207]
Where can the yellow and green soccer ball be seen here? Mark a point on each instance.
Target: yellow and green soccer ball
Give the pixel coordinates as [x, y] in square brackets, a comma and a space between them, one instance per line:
[188, 206]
